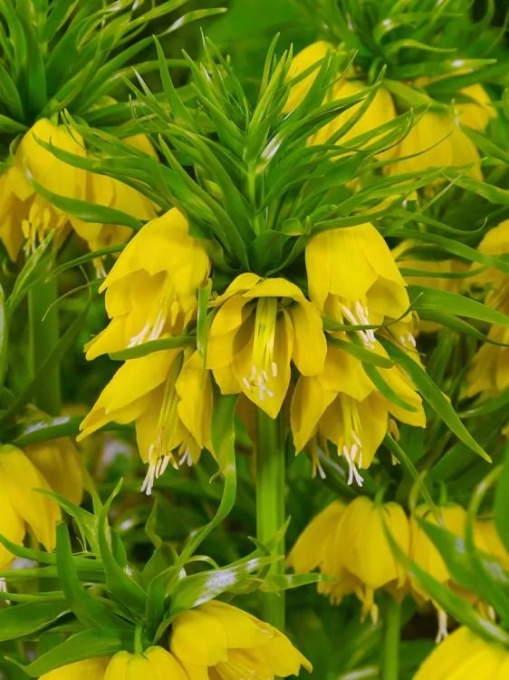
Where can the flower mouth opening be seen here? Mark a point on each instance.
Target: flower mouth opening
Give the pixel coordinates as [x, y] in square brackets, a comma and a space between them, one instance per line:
[359, 316]
[263, 368]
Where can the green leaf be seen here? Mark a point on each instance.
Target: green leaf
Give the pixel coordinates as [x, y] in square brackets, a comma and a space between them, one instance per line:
[44, 430]
[128, 593]
[426, 299]
[501, 505]
[448, 600]
[152, 346]
[86, 211]
[34, 267]
[84, 645]
[88, 609]
[433, 396]
[24, 619]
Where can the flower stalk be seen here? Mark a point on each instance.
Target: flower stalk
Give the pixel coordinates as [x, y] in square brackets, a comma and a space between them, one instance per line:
[391, 637]
[43, 337]
[270, 508]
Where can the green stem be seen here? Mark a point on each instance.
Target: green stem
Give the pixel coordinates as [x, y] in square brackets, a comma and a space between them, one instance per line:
[270, 508]
[44, 335]
[391, 638]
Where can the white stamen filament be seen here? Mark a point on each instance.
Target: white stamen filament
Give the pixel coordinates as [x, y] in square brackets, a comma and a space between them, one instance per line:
[155, 470]
[263, 368]
[362, 319]
[442, 632]
[353, 473]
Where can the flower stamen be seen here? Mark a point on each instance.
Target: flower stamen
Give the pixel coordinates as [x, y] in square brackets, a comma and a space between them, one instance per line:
[263, 368]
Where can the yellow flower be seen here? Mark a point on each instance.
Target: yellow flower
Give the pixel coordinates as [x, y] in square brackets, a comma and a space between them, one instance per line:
[152, 287]
[489, 371]
[260, 327]
[24, 214]
[343, 406]
[477, 112]
[463, 655]
[59, 462]
[352, 278]
[488, 540]
[304, 60]
[168, 396]
[110, 192]
[21, 506]
[309, 549]
[438, 270]
[380, 111]
[155, 663]
[352, 547]
[436, 141]
[217, 641]
[89, 669]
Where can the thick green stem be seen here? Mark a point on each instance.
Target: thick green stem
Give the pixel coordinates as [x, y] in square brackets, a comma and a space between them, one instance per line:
[44, 334]
[270, 507]
[391, 637]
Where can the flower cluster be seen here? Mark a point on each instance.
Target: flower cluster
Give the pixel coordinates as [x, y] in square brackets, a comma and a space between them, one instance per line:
[348, 543]
[215, 641]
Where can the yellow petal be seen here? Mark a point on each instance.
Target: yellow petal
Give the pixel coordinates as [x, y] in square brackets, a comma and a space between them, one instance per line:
[19, 478]
[164, 665]
[194, 388]
[310, 55]
[310, 346]
[59, 463]
[242, 629]
[89, 669]
[477, 113]
[309, 402]
[12, 527]
[198, 638]
[307, 553]
[428, 143]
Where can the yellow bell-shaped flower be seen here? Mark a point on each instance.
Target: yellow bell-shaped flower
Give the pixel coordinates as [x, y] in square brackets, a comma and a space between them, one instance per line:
[355, 551]
[477, 112]
[152, 287]
[59, 462]
[217, 641]
[21, 506]
[436, 141]
[89, 669]
[168, 396]
[155, 663]
[24, 214]
[353, 278]
[380, 111]
[342, 405]
[110, 192]
[463, 655]
[301, 62]
[261, 326]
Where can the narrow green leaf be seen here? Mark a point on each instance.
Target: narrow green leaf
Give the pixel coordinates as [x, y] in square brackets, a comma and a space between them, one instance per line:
[24, 619]
[152, 346]
[434, 397]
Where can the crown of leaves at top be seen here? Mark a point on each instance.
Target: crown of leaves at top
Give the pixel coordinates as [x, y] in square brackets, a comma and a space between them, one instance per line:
[56, 54]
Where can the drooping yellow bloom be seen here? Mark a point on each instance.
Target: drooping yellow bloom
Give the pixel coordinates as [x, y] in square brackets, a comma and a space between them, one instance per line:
[423, 550]
[24, 214]
[156, 663]
[354, 550]
[152, 287]
[22, 508]
[380, 111]
[301, 62]
[436, 141]
[353, 278]
[441, 276]
[59, 462]
[168, 396]
[342, 405]
[489, 371]
[89, 669]
[488, 540]
[110, 192]
[217, 641]
[463, 655]
[261, 326]
[477, 112]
